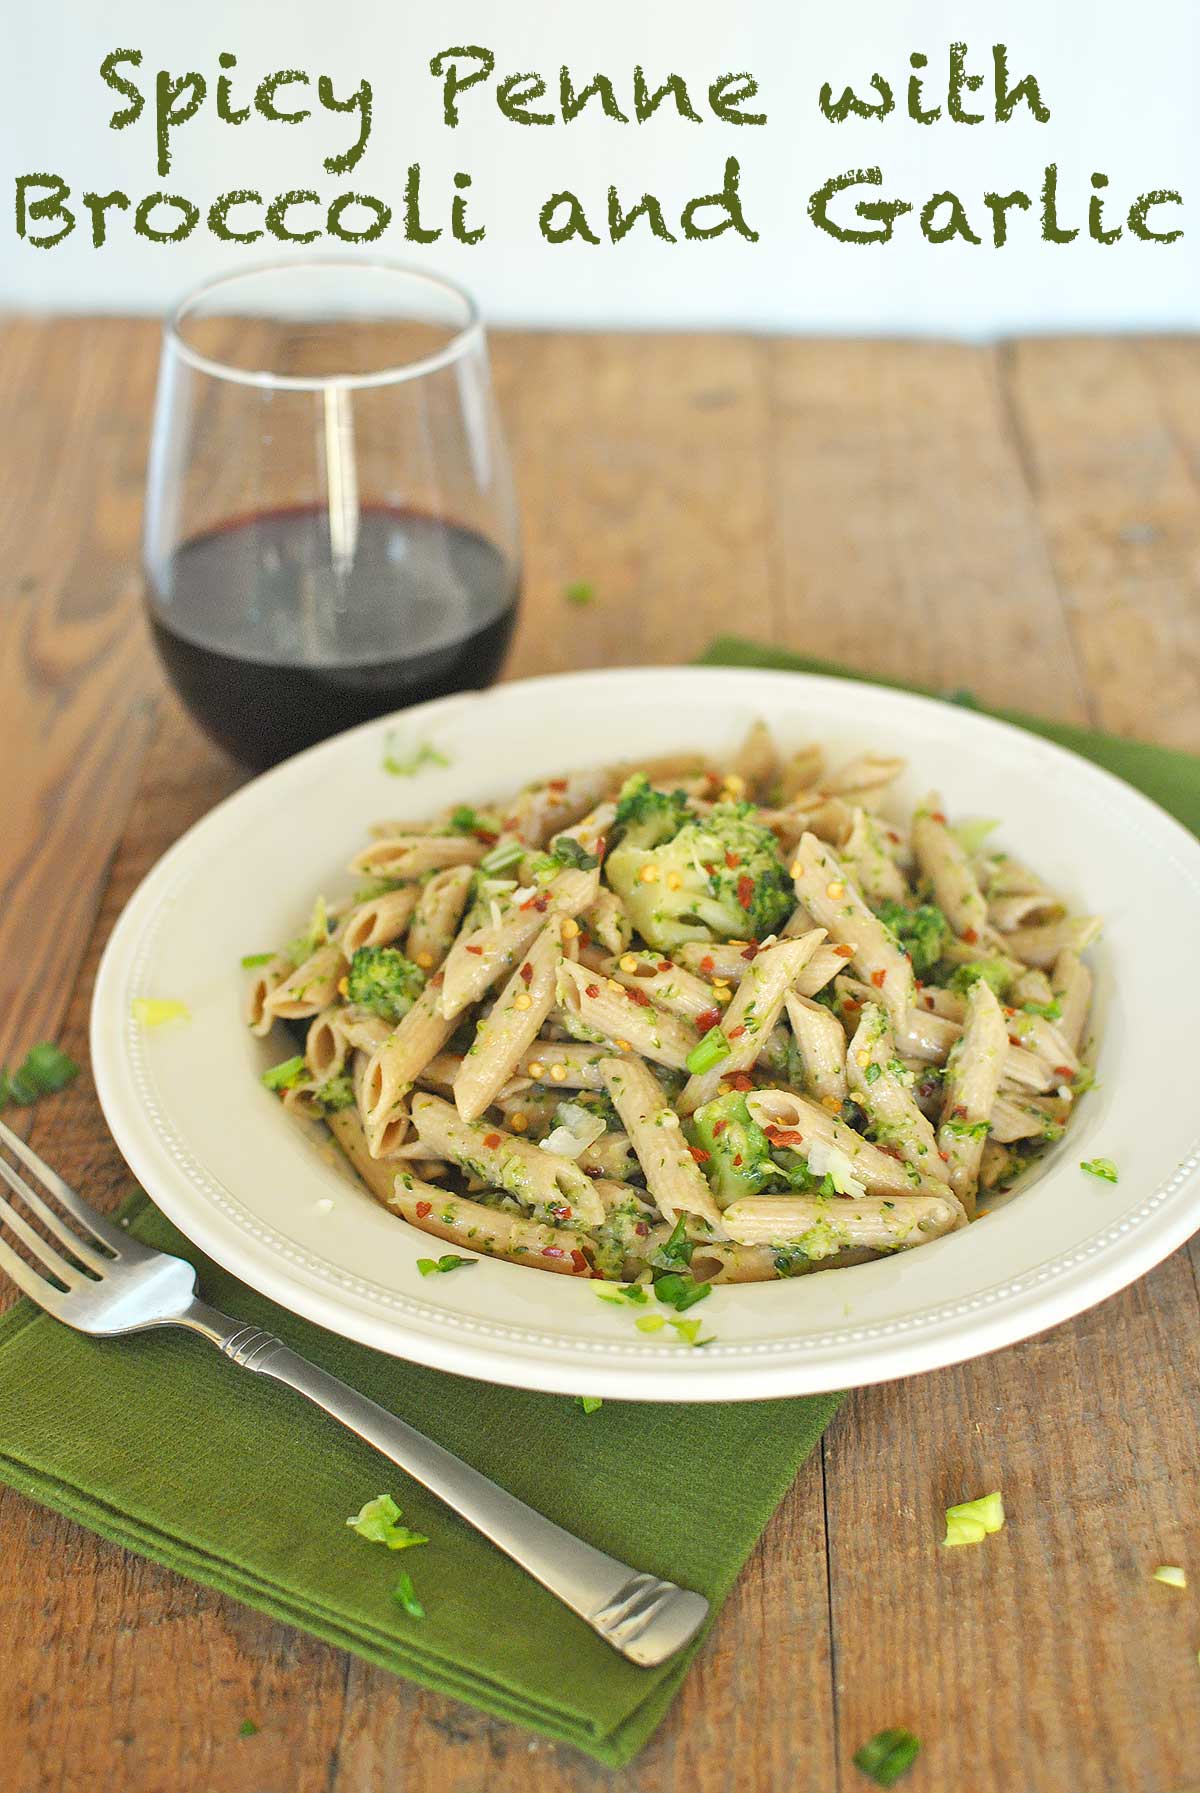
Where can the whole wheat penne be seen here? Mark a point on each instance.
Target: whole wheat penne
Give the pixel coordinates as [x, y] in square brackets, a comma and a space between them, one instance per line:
[866, 851]
[794, 1122]
[973, 1073]
[673, 1177]
[1041, 945]
[756, 761]
[882, 1090]
[408, 855]
[552, 804]
[309, 988]
[607, 921]
[756, 1006]
[393, 1067]
[363, 1030]
[347, 1129]
[836, 904]
[536, 1178]
[563, 1064]
[608, 1008]
[512, 1025]
[438, 911]
[1071, 982]
[821, 1043]
[942, 859]
[1023, 909]
[259, 1018]
[484, 953]
[667, 985]
[823, 1225]
[864, 780]
[494, 1232]
[379, 920]
[325, 1043]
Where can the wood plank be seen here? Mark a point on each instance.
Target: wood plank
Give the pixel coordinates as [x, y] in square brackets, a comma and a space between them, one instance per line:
[907, 542]
[74, 664]
[1112, 454]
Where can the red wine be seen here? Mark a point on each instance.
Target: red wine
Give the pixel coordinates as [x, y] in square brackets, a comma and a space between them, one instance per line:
[272, 646]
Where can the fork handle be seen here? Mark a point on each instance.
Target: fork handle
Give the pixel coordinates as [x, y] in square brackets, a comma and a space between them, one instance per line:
[644, 1618]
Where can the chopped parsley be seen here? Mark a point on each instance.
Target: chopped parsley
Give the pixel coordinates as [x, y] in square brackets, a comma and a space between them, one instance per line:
[566, 850]
[888, 1755]
[405, 1595]
[873, 1073]
[922, 932]
[1049, 1011]
[45, 1071]
[967, 1129]
[579, 593]
[676, 1250]
[287, 1074]
[1099, 1167]
[379, 1523]
[247, 1728]
[409, 764]
[448, 1261]
[335, 1094]
[589, 1403]
[680, 1292]
[249, 961]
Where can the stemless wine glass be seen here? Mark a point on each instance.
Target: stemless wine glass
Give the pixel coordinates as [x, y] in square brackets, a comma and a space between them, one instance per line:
[330, 528]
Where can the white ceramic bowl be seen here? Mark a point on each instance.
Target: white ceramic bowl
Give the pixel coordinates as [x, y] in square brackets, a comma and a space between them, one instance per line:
[218, 1155]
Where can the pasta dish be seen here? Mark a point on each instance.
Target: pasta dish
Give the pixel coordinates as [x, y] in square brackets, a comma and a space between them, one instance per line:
[731, 1022]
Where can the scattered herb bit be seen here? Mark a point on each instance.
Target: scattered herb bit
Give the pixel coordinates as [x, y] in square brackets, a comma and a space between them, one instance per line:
[247, 1728]
[152, 1012]
[689, 1332]
[967, 1129]
[633, 1291]
[379, 1523]
[994, 972]
[971, 835]
[674, 1251]
[680, 1292]
[566, 850]
[334, 1095]
[502, 857]
[449, 1261]
[589, 1403]
[580, 592]
[650, 1322]
[405, 1595]
[888, 1755]
[708, 1052]
[1099, 1167]
[315, 934]
[965, 696]
[1169, 1573]
[249, 961]
[972, 1520]
[409, 764]
[286, 1075]
[46, 1070]
[1084, 1080]
[1049, 1011]
[873, 1073]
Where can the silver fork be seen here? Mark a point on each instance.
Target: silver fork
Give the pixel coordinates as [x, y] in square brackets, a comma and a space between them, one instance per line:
[107, 1283]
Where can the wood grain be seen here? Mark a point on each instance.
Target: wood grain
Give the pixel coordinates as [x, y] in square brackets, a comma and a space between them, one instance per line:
[1020, 520]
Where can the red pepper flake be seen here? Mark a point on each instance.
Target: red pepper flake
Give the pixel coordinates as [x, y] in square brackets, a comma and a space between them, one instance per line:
[745, 890]
[561, 1211]
[527, 973]
[737, 1161]
[927, 999]
[424, 1208]
[877, 978]
[580, 1262]
[641, 1228]
[591, 1170]
[732, 861]
[486, 836]
[719, 1128]
[739, 1080]
[699, 1154]
[945, 1157]
[851, 1004]
[601, 846]
[437, 980]
[477, 950]
[892, 1152]
[553, 1251]
[844, 952]
[735, 1033]
[751, 951]
[1013, 1040]
[542, 903]
[491, 1141]
[708, 1018]
[556, 784]
[527, 904]
[970, 935]
[937, 816]
[708, 964]
[783, 1136]
[640, 997]
[585, 939]
[1064, 1071]
[592, 990]
[959, 1112]
[665, 965]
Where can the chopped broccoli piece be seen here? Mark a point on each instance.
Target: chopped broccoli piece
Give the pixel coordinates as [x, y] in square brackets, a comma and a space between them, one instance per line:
[334, 1094]
[994, 972]
[739, 1158]
[921, 932]
[383, 980]
[684, 877]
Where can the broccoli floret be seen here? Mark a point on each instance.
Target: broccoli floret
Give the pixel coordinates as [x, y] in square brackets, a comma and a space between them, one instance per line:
[922, 932]
[383, 980]
[712, 877]
[645, 817]
[989, 971]
[739, 1158]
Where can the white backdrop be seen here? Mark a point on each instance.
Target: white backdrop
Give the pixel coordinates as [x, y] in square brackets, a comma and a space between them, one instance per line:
[1119, 82]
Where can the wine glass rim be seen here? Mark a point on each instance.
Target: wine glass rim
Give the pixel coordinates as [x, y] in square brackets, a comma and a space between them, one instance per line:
[465, 337]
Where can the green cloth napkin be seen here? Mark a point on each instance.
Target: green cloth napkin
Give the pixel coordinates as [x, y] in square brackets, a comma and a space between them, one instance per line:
[161, 1446]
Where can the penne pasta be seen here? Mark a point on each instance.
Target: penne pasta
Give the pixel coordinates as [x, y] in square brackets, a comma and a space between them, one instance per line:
[623, 1016]
[484, 953]
[756, 1006]
[836, 905]
[820, 1226]
[438, 911]
[972, 1080]
[379, 920]
[821, 1042]
[673, 1177]
[502, 1037]
[408, 855]
[534, 1177]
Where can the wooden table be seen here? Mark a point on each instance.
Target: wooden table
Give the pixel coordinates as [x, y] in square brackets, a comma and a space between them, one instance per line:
[1024, 520]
